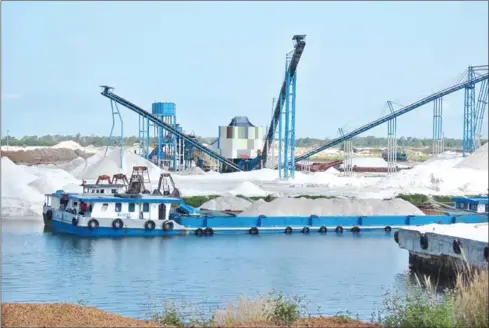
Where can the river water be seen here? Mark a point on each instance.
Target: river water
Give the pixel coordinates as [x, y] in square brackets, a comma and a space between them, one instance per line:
[334, 273]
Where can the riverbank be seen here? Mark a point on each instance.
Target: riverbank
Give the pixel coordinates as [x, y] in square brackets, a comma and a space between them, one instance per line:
[69, 315]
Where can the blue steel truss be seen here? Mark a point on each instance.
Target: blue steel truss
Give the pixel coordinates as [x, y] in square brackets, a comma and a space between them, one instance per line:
[480, 110]
[153, 119]
[288, 116]
[116, 113]
[468, 142]
[296, 56]
[397, 113]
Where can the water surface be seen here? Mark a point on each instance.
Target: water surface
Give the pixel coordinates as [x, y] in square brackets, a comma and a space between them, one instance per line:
[335, 273]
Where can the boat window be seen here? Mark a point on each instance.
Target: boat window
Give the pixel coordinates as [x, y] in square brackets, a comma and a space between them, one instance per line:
[97, 191]
[487, 207]
[75, 203]
[114, 191]
[473, 207]
[146, 207]
[104, 207]
[101, 191]
[132, 207]
[118, 207]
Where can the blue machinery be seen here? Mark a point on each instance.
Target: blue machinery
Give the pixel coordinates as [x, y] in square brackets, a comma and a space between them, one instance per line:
[469, 113]
[286, 134]
[153, 119]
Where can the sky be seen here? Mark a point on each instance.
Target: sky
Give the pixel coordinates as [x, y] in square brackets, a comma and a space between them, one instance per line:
[217, 60]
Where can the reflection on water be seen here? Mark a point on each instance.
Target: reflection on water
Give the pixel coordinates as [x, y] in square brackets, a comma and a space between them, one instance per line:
[335, 273]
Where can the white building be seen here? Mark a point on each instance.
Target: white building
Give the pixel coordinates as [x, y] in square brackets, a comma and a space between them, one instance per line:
[240, 139]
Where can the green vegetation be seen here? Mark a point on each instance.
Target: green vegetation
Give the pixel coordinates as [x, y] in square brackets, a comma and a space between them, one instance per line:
[98, 141]
[464, 306]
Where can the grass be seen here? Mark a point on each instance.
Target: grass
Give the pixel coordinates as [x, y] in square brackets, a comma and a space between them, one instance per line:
[466, 305]
[276, 309]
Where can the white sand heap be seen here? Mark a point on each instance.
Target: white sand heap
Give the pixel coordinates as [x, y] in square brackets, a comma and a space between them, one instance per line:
[23, 187]
[330, 207]
[478, 160]
[223, 203]
[99, 164]
[69, 144]
[248, 189]
[192, 171]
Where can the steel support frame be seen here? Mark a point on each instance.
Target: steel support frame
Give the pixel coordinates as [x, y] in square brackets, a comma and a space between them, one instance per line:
[480, 111]
[438, 143]
[115, 112]
[287, 133]
[347, 154]
[391, 142]
[468, 142]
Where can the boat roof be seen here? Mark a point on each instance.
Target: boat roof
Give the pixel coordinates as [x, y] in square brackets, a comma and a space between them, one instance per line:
[95, 186]
[139, 198]
[471, 200]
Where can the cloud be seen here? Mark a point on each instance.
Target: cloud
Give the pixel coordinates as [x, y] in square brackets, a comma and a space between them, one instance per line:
[11, 96]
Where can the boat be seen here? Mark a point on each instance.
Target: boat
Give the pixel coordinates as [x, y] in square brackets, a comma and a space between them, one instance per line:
[117, 207]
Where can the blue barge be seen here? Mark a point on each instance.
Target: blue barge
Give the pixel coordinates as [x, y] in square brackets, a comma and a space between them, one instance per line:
[120, 210]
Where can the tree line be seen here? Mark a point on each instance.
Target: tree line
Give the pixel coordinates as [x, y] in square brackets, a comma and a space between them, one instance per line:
[99, 141]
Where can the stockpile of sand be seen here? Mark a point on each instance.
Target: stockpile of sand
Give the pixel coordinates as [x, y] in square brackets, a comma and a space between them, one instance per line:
[478, 160]
[23, 187]
[99, 164]
[192, 171]
[223, 203]
[331, 207]
[248, 189]
[443, 174]
[43, 155]
[69, 144]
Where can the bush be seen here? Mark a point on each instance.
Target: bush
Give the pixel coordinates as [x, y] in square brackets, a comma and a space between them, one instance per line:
[471, 304]
[465, 306]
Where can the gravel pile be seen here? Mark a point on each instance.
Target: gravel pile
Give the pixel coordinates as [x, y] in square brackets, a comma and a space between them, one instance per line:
[64, 315]
[223, 203]
[331, 207]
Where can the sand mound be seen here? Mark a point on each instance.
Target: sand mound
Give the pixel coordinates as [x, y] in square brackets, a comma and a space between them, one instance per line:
[478, 160]
[192, 171]
[248, 189]
[64, 315]
[43, 155]
[223, 203]
[99, 164]
[69, 144]
[330, 207]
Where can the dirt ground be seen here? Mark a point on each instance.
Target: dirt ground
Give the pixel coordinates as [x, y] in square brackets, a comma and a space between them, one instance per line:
[68, 315]
[44, 155]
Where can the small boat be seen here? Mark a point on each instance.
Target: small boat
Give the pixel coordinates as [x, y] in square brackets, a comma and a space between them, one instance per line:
[114, 206]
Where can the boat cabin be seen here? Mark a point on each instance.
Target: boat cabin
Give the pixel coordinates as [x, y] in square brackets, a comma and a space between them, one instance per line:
[106, 185]
[477, 204]
[113, 206]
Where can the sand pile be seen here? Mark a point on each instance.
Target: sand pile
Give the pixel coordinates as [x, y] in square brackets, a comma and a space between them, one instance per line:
[248, 189]
[223, 203]
[43, 155]
[69, 144]
[440, 175]
[478, 160]
[329, 207]
[99, 164]
[192, 171]
[23, 187]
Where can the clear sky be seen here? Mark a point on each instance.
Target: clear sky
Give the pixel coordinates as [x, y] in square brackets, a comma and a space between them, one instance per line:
[218, 60]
